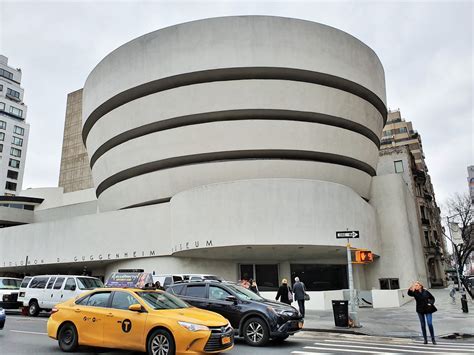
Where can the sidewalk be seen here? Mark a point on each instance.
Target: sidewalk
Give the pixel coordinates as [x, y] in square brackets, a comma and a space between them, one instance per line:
[403, 321]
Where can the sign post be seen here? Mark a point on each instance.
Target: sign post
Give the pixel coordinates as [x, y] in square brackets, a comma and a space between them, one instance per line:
[352, 299]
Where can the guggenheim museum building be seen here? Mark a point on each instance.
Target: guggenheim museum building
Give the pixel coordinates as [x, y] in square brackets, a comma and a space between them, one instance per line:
[235, 146]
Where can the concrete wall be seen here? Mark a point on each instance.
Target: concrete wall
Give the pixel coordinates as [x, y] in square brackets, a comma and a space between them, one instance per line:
[252, 109]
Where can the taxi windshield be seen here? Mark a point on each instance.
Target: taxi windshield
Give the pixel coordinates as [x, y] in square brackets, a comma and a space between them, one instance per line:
[244, 294]
[89, 283]
[160, 300]
[10, 284]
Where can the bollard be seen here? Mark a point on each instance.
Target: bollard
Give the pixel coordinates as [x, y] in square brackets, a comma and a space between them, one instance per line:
[464, 307]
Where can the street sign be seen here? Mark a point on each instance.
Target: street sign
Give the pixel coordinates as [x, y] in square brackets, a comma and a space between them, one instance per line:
[347, 234]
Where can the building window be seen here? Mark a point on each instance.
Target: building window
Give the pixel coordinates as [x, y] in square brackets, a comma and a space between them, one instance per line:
[17, 141]
[427, 238]
[14, 163]
[18, 130]
[266, 275]
[2, 136]
[387, 133]
[12, 174]
[3, 125]
[398, 166]
[1, 148]
[2, 106]
[13, 93]
[16, 111]
[15, 152]
[389, 284]
[321, 277]
[402, 130]
[1, 87]
[10, 186]
[6, 74]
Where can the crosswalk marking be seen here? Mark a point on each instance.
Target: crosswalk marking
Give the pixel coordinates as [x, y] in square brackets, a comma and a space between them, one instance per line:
[343, 350]
[369, 347]
[417, 345]
[467, 346]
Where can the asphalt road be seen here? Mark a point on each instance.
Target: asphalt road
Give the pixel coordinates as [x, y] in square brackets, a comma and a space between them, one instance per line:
[27, 335]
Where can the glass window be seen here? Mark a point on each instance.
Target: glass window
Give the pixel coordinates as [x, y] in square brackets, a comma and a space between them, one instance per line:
[13, 93]
[246, 272]
[243, 293]
[83, 301]
[177, 289]
[218, 293]
[1, 87]
[51, 282]
[15, 152]
[402, 129]
[14, 163]
[123, 300]
[39, 282]
[18, 130]
[267, 277]
[168, 281]
[6, 74]
[12, 174]
[59, 283]
[398, 166]
[198, 291]
[16, 111]
[3, 125]
[321, 277]
[2, 106]
[389, 284]
[10, 284]
[99, 299]
[162, 300]
[2, 136]
[25, 281]
[10, 186]
[17, 141]
[89, 283]
[1, 148]
[70, 284]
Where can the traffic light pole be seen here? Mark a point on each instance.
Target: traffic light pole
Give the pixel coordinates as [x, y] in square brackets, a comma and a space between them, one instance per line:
[353, 306]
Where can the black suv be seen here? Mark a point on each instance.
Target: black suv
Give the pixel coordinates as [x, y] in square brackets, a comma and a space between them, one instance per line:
[253, 317]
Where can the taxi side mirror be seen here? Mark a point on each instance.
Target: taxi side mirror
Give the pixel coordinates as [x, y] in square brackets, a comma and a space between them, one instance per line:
[135, 307]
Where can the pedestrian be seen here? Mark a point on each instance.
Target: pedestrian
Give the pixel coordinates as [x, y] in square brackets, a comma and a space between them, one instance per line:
[285, 293]
[299, 290]
[253, 286]
[424, 307]
[158, 286]
[452, 293]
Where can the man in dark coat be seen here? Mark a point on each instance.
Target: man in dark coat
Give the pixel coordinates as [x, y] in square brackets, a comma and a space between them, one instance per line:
[299, 290]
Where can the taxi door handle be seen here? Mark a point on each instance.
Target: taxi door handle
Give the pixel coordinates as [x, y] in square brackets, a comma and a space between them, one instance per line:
[77, 310]
[110, 315]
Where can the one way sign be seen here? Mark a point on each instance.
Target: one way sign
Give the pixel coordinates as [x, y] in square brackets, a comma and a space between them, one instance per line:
[347, 234]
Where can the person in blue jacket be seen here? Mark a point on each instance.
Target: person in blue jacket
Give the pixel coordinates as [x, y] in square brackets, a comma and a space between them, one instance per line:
[424, 307]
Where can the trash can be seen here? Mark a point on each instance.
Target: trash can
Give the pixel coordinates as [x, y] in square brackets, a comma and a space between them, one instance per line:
[341, 313]
[464, 307]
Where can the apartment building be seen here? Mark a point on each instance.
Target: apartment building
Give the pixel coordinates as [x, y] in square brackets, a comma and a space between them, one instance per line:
[14, 130]
[410, 162]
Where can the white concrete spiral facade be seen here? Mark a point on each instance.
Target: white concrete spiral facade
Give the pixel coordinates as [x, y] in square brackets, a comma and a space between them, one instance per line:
[228, 99]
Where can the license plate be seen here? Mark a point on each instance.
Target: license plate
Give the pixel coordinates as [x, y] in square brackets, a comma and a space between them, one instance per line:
[226, 340]
[300, 325]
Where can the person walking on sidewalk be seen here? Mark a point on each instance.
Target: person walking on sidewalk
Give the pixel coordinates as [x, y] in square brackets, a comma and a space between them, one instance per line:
[424, 307]
[452, 294]
[299, 290]
[285, 294]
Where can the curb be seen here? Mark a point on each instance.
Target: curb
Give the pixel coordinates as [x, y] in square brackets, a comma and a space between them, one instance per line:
[338, 331]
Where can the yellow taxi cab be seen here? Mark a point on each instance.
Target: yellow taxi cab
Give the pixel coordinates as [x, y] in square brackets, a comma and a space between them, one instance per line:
[151, 321]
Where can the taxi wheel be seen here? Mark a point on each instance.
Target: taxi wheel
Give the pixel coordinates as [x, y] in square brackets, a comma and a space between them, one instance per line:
[33, 309]
[256, 332]
[160, 342]
[67, 338]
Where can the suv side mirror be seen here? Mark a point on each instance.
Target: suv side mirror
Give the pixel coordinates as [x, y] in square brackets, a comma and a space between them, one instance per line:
[232, 299]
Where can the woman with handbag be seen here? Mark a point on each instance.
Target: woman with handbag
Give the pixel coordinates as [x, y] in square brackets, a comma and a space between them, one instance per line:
[285, 293]
[424, 307]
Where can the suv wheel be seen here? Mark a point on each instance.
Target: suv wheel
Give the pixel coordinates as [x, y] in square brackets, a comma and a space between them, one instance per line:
[256, 332]
[33, 309]
[160, 342]
[67, 338]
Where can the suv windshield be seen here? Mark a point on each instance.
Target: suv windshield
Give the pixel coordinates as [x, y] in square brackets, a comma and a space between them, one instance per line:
[86, 283]
[244, 294]
[9, 284]
[159, 300]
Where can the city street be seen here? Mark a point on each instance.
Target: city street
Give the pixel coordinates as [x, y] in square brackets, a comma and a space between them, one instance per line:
[26, 335]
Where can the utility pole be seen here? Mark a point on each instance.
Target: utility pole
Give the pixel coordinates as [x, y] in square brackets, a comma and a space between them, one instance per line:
[353, 304]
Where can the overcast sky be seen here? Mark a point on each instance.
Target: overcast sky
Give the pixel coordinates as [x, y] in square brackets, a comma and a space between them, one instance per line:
[425, 47]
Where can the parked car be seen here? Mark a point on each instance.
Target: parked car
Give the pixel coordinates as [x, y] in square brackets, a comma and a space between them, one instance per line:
[168, 279]
[201, 277]
[139, 320]
[9, 287]
[3, 318]
[45, 291]
[254, 318]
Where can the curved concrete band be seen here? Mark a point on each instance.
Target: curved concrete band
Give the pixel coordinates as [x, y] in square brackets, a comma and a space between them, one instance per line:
[219, 96]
